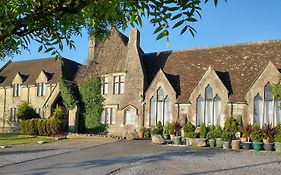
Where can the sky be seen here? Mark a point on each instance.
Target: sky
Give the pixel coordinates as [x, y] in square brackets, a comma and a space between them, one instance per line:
[231, 22]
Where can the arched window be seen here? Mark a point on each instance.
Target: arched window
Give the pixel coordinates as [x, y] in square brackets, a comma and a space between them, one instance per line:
[268, 105]
[160, 108]
[277, 118]
[152, 111]
[199, 110]
[208, 110]
[258, 110]
[209, 105]
[130, 116]
[217, 110]
[167, 110]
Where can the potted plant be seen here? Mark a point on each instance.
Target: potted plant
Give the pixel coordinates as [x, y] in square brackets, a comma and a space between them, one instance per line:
[277, 138]
[257, 136]
[211, 138]
[176, 127]
[165, 132]
[189, 129]
[170, 130]
[141, 132]
[203, 130]
[218, 134]
[232, 126]
[267, 132]
[226, 137]
[246, 132]
[147, 133]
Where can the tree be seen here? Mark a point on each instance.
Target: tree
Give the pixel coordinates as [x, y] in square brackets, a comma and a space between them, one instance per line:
[26, 111]
[53, 22]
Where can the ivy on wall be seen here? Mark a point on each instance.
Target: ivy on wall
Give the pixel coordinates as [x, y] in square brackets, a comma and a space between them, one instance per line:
[67, 93]
[91, 106]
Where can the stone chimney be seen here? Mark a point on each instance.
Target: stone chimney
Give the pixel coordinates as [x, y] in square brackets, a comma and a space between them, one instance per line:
[91, 49]
[134, 38]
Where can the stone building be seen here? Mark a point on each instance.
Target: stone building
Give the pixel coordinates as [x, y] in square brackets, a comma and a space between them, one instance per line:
[34, 81]
[198, 85]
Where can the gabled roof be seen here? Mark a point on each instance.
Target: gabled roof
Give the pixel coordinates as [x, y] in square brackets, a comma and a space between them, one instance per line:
[32, 68]
[238, 66]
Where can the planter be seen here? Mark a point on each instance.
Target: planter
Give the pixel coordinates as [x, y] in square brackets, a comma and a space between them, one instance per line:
[246, 145]
[172, 136]
[187, 141]
[212, 143]
[165, 136]
[219, 142]
[235, 144]
[141, 134]
[226, 145]
[268, 146]
[257, 146]
[177, 140]
[278, 146]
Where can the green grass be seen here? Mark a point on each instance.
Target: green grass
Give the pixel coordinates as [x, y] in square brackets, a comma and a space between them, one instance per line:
[15, 139]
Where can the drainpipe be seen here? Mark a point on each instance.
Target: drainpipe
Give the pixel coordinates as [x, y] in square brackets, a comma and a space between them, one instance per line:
[28, 93]
[178, 117]
[4, 108]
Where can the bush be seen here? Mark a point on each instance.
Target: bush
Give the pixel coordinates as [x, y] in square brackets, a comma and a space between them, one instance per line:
[158, 129]
[218, 131]
[227, 136]
[169, 128]
[26, 111]
[231, 125]
[189, 127]
[147, 132]
[23, 127]
[211, 134]
[203, 130]
[256, 134]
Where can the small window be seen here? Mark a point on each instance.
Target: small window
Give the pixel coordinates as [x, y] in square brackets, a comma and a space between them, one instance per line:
[108, 116]
[41, 88]
[130, 116]
[13, 117]
[16, 90]
[119, 84]
[104, 87]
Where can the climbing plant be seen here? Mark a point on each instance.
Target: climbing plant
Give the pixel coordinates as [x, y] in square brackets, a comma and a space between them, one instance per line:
[67, 93]
[91, 106]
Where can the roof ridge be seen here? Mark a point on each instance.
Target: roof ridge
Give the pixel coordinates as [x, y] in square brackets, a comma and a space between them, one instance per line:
[215, 47]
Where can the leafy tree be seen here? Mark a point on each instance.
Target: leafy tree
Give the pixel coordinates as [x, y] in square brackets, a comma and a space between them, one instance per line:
[67, 93]
[91, 105]
[53, 22]
[26, 111]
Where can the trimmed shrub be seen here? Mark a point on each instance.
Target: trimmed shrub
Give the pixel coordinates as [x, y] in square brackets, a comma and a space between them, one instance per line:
[26, 111]
[203, 130]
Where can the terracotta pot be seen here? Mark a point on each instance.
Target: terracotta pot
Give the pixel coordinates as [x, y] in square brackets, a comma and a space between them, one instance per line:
[172, 136]
[235, 144]
[267, 141]
[141, 134]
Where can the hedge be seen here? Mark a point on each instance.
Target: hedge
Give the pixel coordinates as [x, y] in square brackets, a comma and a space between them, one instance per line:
[44, 127]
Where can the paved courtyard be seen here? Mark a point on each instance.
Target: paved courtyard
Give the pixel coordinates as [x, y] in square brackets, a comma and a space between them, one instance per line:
[106, 156]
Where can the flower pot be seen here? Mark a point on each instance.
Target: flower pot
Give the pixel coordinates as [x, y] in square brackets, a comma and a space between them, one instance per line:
[278, 146]
[246, 145]
[172, 136]
[219, 142]
[212, 143]
[235, 144]
[165, 136]
[226, 145]
[257, 146]
[141, 134]
[187, 141]
[177, 140]
[268, 146]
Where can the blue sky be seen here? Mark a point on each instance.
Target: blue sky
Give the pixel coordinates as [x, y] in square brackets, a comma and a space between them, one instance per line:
[236, 21]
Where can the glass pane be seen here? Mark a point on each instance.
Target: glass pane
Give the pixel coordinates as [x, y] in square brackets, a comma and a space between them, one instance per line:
[113, 115]
[102, 119]
[105, 89]
[199, 110]
[152, 112]
[107, 115]
[160, 111]
[106, 79]
[209, 113]
[130, 116]
[217, 110]
[167, 113]
[116, 88]
[277, 113]
[209, 93]
[121, 88]
[258, 110]
[160, 94]
[268, 112]
[116, 79]
[122, 78]
[267, 92]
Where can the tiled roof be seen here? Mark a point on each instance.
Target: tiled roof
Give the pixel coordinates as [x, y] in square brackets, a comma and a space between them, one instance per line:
[238, 66]
[32, 68]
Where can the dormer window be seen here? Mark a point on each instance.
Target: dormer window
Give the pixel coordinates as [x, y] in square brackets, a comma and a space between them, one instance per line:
[119, 84]
[16, 90]
[41, 89]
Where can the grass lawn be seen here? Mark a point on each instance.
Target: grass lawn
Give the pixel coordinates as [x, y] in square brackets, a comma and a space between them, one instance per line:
[14, 139]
